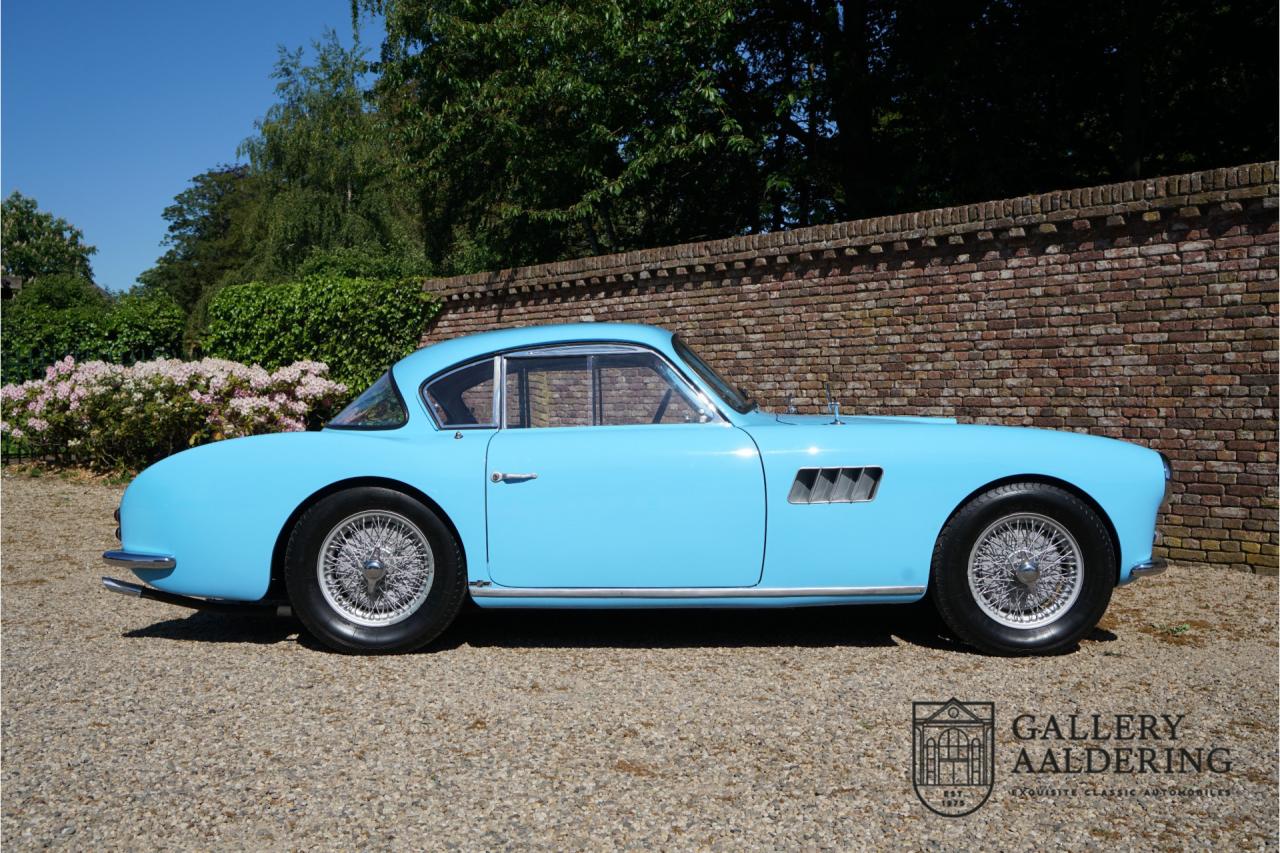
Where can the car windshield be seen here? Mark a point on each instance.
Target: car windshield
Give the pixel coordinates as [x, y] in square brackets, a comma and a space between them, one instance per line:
[379, 407]
[734, 397]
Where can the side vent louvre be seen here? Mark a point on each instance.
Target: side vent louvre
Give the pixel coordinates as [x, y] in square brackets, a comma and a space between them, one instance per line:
[834, 485]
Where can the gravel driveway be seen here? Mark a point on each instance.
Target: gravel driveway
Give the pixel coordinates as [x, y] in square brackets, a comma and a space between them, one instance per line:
[134, 724]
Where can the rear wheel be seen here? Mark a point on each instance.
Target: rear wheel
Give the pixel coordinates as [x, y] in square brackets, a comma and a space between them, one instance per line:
[373, 570]
[1023, 568]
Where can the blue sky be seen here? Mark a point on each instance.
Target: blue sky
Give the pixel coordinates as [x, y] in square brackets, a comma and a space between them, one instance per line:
[108, 109]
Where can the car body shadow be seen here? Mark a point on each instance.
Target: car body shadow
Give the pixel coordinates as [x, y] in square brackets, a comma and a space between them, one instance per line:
[206, 626]
[836, 626]
[861, 625]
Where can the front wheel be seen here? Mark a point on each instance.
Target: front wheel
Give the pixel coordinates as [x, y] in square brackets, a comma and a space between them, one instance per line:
[373, 570]
[1023, 568]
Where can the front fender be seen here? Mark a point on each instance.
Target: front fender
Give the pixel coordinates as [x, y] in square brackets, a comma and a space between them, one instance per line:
[929, 471]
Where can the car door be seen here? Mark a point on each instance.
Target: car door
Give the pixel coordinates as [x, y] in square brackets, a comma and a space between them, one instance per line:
[611, 471]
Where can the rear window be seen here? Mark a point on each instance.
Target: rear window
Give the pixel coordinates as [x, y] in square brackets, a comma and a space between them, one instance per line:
[380, 407]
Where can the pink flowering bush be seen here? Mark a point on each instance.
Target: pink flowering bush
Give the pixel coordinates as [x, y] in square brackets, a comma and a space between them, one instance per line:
[114, 418]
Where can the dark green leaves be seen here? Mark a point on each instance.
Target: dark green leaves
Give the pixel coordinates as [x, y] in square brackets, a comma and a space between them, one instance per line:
[357, 326]
[57, 316]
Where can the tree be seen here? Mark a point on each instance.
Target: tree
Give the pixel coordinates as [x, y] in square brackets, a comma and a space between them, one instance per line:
[323, 169]
[51, 317]
[59, 291]
[37, 243]
[493, 133]
[206, 239]
[542, 129]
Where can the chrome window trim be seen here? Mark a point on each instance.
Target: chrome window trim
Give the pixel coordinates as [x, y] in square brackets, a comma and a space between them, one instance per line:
[709, 401]
[678, 343]
[567, 350]
[501, 361]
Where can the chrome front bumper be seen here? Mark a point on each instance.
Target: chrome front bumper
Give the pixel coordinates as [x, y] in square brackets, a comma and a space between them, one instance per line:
[1147, 569]
[131, 560]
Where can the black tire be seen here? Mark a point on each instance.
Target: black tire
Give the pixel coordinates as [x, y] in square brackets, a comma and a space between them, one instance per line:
[956, 602]
[335, 629]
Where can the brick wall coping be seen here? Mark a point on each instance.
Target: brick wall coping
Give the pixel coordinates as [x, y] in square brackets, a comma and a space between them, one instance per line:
[1108, 206]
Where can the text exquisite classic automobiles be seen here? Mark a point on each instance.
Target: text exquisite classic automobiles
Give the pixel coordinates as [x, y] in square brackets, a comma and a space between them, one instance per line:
[606, 466]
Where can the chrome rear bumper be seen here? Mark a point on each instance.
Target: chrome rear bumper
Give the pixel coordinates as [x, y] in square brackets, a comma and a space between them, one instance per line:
[131, 560]
[122, 587]
[1147, 569]
[139, 591]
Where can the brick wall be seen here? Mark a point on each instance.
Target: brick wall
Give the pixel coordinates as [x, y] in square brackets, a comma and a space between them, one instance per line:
[1144, 310]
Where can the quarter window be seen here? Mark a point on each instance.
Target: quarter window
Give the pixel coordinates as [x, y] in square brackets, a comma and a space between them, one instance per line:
[464, 397]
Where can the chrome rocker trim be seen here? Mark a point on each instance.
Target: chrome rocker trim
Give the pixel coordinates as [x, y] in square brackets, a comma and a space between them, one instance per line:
[131, 560]
[1148, 568]
[694, 592]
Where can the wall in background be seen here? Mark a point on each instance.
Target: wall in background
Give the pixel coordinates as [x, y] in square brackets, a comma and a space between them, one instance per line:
[1144, 310]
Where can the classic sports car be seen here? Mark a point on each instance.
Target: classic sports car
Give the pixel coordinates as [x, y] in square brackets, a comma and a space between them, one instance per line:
[602, 465]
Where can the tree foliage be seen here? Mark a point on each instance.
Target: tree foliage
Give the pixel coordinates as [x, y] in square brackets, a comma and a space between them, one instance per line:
[59, 315]
[36, 243]
[206, 239]
[317, 195]
[490, 133]
[323, 169]
[541, 129]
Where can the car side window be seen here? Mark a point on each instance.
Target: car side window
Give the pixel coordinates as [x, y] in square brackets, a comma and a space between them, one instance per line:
[548, 392]
[613, 389]
[640, 388]
[464, 397]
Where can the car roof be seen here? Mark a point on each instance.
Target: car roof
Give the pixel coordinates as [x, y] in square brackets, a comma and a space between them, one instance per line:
[441, 356]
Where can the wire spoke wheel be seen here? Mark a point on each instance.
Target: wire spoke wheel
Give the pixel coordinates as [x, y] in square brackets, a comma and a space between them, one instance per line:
[1025, 570]
[375, 568]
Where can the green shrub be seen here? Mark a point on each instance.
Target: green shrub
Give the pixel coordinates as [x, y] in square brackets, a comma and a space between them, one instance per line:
[36, 338]
[57, 316]
[358, 326]
[149, 326]
[59, 291]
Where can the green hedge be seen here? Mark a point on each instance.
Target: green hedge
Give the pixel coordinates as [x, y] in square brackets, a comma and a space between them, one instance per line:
[59, 316]
[358, 326]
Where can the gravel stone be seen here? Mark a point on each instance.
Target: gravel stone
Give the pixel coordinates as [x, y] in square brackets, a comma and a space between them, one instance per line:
[133, 724]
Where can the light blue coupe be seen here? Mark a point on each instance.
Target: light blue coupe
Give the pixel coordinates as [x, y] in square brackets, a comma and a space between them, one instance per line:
[602, 465]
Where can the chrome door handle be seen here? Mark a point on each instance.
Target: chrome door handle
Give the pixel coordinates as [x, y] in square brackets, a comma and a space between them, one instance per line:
[499, 477]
